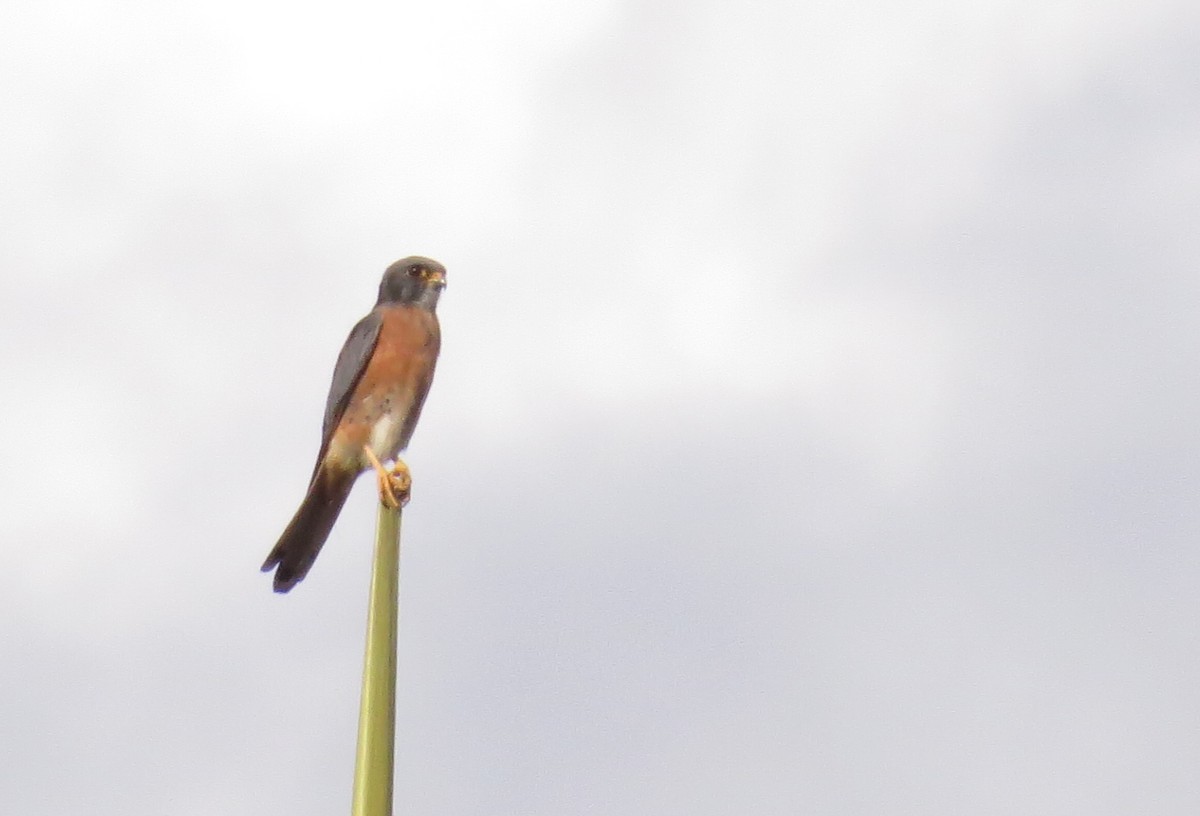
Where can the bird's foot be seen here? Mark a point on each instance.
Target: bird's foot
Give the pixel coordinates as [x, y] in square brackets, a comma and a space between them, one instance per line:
[394, 485]
[400, 484]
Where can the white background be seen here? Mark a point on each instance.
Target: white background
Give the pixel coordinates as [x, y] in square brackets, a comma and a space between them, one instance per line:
[815, 430]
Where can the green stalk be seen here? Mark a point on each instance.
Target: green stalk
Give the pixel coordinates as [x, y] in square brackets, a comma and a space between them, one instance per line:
[373, 767]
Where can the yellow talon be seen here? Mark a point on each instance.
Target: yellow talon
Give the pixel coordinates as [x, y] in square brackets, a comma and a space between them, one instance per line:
[394, 486]
[401, 478]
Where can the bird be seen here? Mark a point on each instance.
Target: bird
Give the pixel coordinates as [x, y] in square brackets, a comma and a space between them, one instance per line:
[380, 382]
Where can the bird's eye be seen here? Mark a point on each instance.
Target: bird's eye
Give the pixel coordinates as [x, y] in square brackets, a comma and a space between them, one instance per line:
[414, 270]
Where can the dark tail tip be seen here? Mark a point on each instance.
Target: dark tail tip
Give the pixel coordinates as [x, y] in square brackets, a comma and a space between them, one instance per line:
[297, 549]
[286, 576]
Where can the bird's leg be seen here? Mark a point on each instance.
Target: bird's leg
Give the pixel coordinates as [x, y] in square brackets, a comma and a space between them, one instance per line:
[383, 478]
[394, 485]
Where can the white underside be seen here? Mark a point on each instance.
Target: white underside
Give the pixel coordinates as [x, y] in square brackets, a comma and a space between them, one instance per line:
[385, 437]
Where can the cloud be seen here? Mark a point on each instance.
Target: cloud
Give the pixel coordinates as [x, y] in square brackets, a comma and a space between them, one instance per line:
[811, 431]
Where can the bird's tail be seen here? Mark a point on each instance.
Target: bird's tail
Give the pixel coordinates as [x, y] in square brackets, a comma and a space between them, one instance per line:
[297, 548]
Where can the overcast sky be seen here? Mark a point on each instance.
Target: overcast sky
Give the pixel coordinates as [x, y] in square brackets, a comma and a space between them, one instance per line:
[815, 429]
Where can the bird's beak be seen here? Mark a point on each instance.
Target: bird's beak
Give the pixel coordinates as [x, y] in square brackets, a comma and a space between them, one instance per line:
[437, 279]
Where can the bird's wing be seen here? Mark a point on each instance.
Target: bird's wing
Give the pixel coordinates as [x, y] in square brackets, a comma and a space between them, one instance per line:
[351, 363]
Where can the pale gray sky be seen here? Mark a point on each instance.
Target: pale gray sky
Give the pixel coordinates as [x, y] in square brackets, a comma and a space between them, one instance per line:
[815, 430]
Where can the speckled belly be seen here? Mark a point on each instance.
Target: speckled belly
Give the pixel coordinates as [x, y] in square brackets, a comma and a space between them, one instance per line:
[379, 421]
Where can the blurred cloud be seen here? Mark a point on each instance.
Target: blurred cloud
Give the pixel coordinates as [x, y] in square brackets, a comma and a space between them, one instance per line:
[813, 430]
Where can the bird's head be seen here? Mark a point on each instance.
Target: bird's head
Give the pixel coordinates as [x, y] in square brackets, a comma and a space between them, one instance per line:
[414, 280]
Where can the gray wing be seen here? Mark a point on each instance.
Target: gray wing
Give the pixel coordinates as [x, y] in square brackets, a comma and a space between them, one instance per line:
[351, 363]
